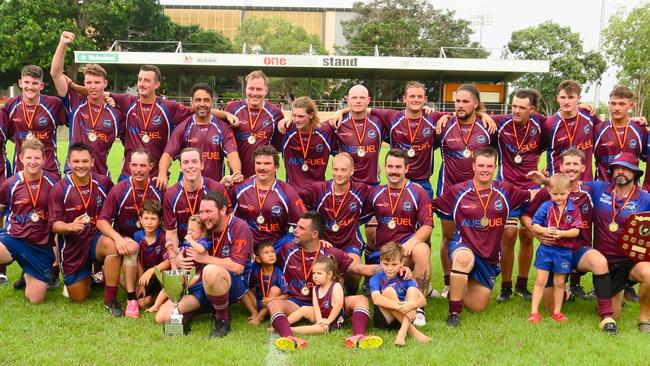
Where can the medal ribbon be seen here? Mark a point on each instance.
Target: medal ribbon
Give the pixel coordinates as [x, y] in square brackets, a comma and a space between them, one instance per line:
[484, 206]
[217, 249]
[337, 210]
[356, 131]
[192, 206]
[412, 136]
[514, 130]
[620, 143]
[557, 218]
[616, 212]
[38, 190]
[261, 202]
[93, 121]
[390, 200]
[571, 135]
[30, 119]
[469, 135]
[85, 203]
[302, 146]
[135, 197]
[250, 119]
[145, 121]
[266, 290]
[304, 265]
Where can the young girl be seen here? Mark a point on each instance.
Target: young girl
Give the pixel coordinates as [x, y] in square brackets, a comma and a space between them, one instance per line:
[326, 312]
[561, 219]
[196, 239]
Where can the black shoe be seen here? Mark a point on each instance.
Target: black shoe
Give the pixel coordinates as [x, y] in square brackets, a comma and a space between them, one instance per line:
[3, 279]
[221, 328]
[630, 294]
[54, 280]
[505, 295]
[453, 320]
[114, 308]
[579, 293]
[524, 293]
[610, 328]
[20, 283]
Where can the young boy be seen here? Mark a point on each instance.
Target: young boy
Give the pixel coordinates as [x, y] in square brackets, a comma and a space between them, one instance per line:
[153, 253]
[266, 283]
[561, 219]
[395, 298]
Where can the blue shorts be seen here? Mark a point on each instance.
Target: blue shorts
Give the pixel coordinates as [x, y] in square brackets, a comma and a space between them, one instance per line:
[35, 260]
[426, 184]
[553, 258]
[85, 271]
[238, 288]
[483, 272]
[287, 238]
[575, 259]
[352, 249]
[300, 302]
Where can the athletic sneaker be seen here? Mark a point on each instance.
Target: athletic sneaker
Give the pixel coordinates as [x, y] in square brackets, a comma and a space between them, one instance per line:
[364, 342]
[114, 308]
[445, 292]
[221, 328]
[132, 309]
[644, 326]
[433, 293]
[579, 292]
[630, 294]
[20, 283]
[505, 295]
[453, 320]
[3, 279]
[559, 317]
[420, 318]
[524, 293]
[98, 278]
[608, 325]
[290, 343]
[534, 318]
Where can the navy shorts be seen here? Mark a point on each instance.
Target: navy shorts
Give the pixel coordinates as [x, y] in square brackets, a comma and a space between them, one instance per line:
[35, 260]
[426, 184]
[86, 270]
[483, 272]
[287, 238]
[300, 302]
[553, 258]
[238, 288]
[575, 259]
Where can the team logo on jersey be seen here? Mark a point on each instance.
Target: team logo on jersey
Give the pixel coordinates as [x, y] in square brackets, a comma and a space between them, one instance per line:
[585, 208]
[633, 143]
[157, 120]
[158, 250]
[353, 206]
[319, 148]
[107, 123]
[426, 132]
[631, 206]
[216, 139]
[372, 134]
[587, 129]
[533, 131]
[225, 251]
[408, 206]
[42, 121]
[99, 201]
[266, 123]
[568, 219]
[498, 205]
[276, 211]
[481, 139]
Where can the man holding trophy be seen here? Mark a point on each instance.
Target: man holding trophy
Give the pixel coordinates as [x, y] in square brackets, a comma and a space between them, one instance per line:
[223, 277]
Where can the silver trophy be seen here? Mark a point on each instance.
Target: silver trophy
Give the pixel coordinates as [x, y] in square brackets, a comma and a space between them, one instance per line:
[175, 283]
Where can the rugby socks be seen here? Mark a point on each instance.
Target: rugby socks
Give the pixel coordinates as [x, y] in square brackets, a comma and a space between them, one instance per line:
[220, 305]
[574, 279]
[110, 294]
[280, 323]
[360, 318]
[603, 289]
[522, 283]
[447, 280]
[131, 296]
[506, 285]
[455, 306]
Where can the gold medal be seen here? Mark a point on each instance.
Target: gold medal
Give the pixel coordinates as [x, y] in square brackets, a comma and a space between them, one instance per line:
[146, 138]
[85, 219]
[251, 139]
[260, 219]
[304, 167]
[304, 291]
[518, 159]
[613, 226]
[410, 152]
[361, 152]
[335, 228]
[92, 136]
[485, 221]
[34, 217]
[467, 153]
[392, 225]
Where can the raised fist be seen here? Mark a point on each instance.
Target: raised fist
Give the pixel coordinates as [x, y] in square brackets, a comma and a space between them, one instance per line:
[67, 38]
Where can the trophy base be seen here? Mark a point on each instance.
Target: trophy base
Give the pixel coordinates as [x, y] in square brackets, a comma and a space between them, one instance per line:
[176, 329]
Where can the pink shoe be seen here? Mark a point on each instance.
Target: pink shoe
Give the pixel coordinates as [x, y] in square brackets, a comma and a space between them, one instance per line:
[559, 317]
[534, 318]
[132, 309]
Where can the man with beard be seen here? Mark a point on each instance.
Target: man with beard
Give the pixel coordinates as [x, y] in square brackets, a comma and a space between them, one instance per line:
[122, 209]
[223, 280]
[585, 258]
[210, 135]
[74, 204]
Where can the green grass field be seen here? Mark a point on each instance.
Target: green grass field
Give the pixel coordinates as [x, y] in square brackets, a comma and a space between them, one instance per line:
[59, 332]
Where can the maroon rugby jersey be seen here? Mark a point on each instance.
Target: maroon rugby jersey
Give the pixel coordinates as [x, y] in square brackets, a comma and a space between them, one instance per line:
[151, 254]
[611, 141]
[563, 134]
[261, 124]
[215, 140]
[314, 150]
[290, 259]
[280, 210]
[155, 120]
[417, 134]
[455, 167]
[582, 202]
[525, 140]
[66, 204]
[366, 135]
[412, 210]
[346, 211]
[17, 197]
[103, 123]
[463, 205]
[121, 209]
[177, 210]
[549, 215]
[236, 242]
[45, 118]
